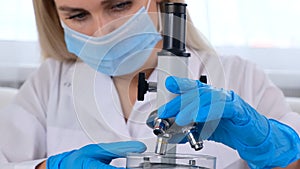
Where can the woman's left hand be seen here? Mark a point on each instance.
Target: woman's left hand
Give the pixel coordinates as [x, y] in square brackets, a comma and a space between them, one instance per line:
[224, 117]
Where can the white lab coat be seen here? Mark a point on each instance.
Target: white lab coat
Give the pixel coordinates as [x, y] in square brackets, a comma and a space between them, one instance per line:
[65, 106]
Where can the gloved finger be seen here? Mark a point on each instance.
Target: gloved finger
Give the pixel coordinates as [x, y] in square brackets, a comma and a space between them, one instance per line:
[171, 108]
[210, 106]
[188, 114]
[93, 163]
[223, 105]
[214, 95]
[195, 112]
[214, 130]
[238, 107]
[181, 85]
[215, 105]
[214, 111]
[109, 151]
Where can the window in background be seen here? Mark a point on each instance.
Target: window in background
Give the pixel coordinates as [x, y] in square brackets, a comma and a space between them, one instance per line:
[20, 53]
[255, 23]
[266, 32]
[17, 21]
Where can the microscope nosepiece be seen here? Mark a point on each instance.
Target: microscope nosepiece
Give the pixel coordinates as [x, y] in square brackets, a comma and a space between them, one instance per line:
[160, 126]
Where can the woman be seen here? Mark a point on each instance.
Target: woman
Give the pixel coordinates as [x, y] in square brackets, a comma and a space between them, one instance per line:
[68, 105]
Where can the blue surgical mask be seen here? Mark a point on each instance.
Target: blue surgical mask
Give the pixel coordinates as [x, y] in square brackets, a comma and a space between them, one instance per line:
[121, 52]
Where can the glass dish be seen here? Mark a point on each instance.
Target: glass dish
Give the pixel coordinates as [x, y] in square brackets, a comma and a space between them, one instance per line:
[169, 161]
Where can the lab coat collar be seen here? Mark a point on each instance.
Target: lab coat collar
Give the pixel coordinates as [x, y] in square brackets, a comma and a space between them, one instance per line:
[97, 105]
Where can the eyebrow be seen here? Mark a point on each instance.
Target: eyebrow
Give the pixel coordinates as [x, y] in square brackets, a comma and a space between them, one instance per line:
[107, 1]
[70, 9]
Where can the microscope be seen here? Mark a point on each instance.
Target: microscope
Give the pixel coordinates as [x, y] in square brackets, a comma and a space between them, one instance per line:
[172, 61]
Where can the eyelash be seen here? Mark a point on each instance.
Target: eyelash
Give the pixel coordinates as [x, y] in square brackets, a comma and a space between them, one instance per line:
[119, 7]
[78, 17]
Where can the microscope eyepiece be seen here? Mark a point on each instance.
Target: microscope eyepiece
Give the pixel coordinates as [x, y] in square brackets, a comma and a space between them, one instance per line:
[174, 29]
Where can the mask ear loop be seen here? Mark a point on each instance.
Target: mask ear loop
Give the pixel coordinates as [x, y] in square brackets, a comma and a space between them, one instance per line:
[160, 27]
[148, 5]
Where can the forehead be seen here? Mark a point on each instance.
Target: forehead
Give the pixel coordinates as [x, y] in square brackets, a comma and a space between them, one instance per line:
[79, 3]
[91, 3]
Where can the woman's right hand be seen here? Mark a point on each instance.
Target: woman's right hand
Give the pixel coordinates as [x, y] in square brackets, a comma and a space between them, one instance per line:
[93, 156]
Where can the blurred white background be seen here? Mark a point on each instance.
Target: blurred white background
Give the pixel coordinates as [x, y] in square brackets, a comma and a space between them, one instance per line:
[19, 49]
[263, 31]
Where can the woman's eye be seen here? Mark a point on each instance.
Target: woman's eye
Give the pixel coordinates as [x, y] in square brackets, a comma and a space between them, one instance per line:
[121, 6]
[79, 16]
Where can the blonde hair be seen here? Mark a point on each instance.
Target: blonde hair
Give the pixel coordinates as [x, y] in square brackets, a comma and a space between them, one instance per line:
[51, 35]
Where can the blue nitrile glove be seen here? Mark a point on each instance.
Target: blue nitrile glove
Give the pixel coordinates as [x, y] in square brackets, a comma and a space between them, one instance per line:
[94, 156]
[224, 117]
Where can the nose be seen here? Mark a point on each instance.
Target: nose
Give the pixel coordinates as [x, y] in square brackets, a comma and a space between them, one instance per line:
[103, 26]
